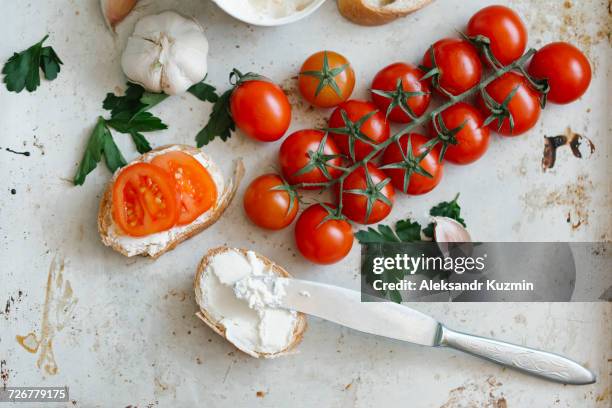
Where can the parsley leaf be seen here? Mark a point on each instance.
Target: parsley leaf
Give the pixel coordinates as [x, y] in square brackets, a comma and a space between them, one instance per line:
[405, 231]
[100, 142]
[125, 122]
[134, 100]
[450, 209]
[220, 122]
[142, 145]
[22, 70]
[204, 92]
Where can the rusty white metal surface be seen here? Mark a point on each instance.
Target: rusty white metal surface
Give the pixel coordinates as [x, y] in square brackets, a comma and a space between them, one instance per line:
[122, 331]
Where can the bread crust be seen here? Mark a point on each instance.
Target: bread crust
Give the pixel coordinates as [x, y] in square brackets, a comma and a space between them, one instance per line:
[359, 12]
[300, 328]
[224, 199]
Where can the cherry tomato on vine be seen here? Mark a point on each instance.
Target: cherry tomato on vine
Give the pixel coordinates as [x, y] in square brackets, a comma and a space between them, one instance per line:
[504, 29]
[472, 140]
[326, 79]
[412, 176]
[306, 158]
[260, 109]
[392, 87]
[367, 196]
[270, 203]
[146, 200]
[457, 62]
[373, 127]
[323, 238]
[565, 67]
[524, 107]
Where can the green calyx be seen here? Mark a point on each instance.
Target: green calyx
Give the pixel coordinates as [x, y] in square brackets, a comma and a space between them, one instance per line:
[353, 131]
[399, 98]
[236, 77]
[372, 192]
[319, 160]
[499, 111]
[410, 163]
[291, 191]
[444, 135]
[327, 76]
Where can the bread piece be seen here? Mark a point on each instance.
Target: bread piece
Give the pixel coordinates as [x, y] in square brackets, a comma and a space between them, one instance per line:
[378, 12]
[159, 243]
[218, 328]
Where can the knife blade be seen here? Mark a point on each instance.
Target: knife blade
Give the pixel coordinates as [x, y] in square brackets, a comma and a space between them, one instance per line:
[344, 306]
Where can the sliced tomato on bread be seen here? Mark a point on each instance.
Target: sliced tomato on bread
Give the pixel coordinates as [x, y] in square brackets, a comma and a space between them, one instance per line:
[196, 186]
[145, 200]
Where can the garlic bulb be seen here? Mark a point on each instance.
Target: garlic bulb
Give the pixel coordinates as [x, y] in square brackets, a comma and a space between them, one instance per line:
[166, 53]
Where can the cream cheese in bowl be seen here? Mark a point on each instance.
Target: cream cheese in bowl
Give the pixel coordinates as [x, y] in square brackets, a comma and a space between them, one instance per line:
[269, 12]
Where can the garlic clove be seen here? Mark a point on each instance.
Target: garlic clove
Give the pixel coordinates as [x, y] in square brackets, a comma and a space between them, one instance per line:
[114, 11]
[448, 230]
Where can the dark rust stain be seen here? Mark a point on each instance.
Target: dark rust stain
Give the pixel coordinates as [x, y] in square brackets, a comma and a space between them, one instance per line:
[571, 139]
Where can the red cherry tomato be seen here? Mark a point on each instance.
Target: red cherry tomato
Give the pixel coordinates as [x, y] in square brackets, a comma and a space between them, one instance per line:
[318, 84]
[362, 191]
[565, 67]
[146, 200]
[505, 30]
[458, 64]
[472, 139]
[300, 150]
[261, 110]
[417, 183]
[267, 206]
[319, 241]
[524, 105]
[387, 81]
[375, 128]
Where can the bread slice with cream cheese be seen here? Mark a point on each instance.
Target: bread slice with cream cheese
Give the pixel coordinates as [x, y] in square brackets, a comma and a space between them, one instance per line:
[378, 12]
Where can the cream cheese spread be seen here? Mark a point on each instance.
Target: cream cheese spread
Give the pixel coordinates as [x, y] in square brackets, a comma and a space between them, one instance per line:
[266, 9]
[155, 243]
[241, 293]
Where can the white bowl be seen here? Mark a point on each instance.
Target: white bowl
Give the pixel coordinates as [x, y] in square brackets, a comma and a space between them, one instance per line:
[233, 8]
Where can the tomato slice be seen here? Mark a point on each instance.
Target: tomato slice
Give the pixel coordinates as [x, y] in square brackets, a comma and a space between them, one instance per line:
[195, 184]
[145, 200]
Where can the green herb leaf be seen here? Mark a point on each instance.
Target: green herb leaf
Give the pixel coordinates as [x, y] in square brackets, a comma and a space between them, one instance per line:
[220, 123]
[93, 151]
[125, 122]
[204, 92]
[22, 70]
[142, 144]
[450, 209]
[405, 231]
[113, 157]
[134, 101]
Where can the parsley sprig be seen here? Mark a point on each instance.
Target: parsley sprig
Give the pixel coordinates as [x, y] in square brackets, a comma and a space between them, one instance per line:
[22, 70]
[129, 114]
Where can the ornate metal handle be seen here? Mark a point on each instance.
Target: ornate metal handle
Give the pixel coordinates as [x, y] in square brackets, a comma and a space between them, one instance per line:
[539, 363]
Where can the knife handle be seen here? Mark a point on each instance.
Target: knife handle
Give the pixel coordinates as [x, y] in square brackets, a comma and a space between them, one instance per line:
[539, 363]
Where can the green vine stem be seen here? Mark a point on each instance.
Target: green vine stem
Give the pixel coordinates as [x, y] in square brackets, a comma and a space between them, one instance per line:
[452, 99]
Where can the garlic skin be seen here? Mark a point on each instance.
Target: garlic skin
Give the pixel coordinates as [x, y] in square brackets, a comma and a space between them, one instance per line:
[114, 11]
[166, 53]
[449, 230]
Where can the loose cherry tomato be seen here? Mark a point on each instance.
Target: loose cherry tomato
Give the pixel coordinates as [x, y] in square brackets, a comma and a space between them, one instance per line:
[458, 64]
[304, 158]
[145, 200]
[260, 109]
[565, 67]
[504, 29]
[326, 79]
[392, 85]
[197, 188]
[410, 176]
[374, 128]
[524, 105]
[322, 241]
[367, 197]
[472, 140]
[270, 203]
